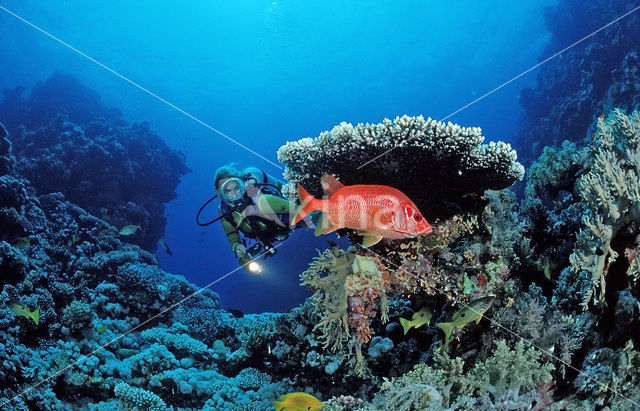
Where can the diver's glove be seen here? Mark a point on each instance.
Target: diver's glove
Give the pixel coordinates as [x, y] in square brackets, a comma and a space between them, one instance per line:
[240, 250]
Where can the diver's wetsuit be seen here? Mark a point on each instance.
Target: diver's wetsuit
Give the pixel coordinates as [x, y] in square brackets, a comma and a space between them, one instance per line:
[267, 204]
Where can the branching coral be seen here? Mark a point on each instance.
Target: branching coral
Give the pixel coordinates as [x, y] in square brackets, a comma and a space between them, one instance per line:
[350, 289]
[611, 190]
[441, 162]
[138, 398]
[181, 343]
[77, 315]
[510, 372]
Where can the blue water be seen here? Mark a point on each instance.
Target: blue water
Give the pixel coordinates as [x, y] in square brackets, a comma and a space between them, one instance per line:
[264, 72]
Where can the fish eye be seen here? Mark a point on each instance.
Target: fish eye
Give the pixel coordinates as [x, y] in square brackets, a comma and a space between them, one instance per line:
[462, 315]
[417, 218]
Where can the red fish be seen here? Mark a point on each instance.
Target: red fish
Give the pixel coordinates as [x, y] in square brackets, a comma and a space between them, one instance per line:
[376, 211]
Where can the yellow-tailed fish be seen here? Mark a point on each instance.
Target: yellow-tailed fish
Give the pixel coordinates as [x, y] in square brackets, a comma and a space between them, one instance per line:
[102, 329]
[129, 229]
[470, 312]
[166, 247]
[24, 311]
[74, 239]
[297, 401]
[21, 242]
[417, 319]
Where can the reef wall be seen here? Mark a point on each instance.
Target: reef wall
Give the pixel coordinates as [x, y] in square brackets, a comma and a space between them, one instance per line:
[584, 82]
[65, 140]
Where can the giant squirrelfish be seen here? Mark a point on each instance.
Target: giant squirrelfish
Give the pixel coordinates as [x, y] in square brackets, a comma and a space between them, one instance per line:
[376, 211]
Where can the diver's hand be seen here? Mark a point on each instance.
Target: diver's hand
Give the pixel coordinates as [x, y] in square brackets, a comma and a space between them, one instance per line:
[240, 250]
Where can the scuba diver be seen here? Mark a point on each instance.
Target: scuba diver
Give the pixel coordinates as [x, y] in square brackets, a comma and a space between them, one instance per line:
[251, 207]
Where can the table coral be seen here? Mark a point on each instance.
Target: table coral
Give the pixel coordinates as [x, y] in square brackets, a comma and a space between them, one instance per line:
[434, 163]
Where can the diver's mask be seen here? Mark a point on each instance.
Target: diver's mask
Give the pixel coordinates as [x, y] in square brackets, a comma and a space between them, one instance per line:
[232, 190]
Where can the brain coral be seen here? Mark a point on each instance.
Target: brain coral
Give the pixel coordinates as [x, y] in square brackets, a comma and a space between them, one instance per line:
[436, 164]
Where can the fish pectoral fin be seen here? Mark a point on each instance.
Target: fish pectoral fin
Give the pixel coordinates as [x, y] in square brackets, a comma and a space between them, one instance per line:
[324, 226]
[369, 239]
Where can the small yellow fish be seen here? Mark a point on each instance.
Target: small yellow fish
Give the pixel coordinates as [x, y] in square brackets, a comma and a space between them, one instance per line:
[24, 311]
[22, 242]
[166, 247]
[102, 329]
[417, 319]
[547, 270]
[470, 312]
[297, 401]
[129, 229]
[74, 239]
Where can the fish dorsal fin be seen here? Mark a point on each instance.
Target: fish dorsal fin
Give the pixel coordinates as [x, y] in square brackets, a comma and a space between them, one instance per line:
[330, 184]
[369, 239]
[324, 226]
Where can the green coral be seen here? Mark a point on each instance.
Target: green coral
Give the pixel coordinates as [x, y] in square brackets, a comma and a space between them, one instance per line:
[252, 378]
[254, 331]
[181, 343]
[510, 372]
[78, 315]
[611, 190]
[506, 378]
[327, 276]
[138, 398]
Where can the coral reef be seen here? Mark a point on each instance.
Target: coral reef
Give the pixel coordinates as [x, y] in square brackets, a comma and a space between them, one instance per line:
[561, 264]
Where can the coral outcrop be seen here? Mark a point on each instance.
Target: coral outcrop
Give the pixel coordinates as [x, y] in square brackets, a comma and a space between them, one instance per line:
[65, 140]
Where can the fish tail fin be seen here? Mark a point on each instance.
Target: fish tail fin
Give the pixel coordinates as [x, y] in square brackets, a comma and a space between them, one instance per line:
[405, 325]
[309, 204]
[447, 328]
[277, 404]
[35, 315]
